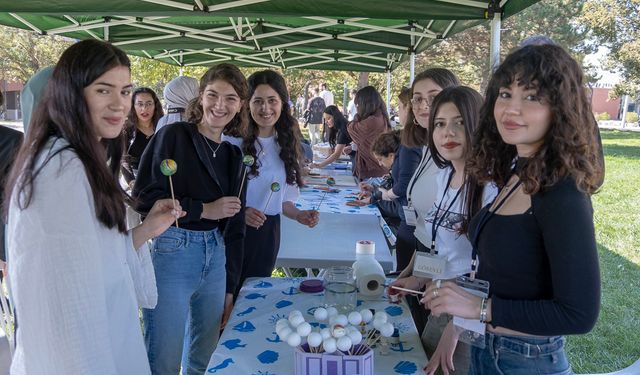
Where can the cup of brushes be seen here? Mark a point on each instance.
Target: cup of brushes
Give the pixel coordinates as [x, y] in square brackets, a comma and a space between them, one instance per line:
[345, 343]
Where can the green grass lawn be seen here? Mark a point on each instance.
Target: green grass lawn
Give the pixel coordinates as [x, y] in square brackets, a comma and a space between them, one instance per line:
[615, 342]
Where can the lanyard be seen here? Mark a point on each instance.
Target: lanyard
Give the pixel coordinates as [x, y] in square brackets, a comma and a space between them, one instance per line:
[426, 158]
[436, 224]
[486, 216]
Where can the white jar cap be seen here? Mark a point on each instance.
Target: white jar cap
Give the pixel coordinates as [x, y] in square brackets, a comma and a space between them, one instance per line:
[365, 247]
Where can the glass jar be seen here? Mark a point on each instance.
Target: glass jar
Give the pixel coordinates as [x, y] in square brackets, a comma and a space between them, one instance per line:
[340, 289]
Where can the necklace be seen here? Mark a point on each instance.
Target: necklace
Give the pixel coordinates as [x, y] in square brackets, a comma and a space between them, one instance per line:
[211, 148]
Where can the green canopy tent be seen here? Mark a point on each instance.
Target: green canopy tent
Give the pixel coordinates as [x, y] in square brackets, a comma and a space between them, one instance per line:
[370, 35]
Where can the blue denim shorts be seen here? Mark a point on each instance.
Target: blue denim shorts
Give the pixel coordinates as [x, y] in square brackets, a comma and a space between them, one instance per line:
[520, 355]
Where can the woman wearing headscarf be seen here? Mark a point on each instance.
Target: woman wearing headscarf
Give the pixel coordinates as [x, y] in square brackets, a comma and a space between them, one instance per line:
[177, 95]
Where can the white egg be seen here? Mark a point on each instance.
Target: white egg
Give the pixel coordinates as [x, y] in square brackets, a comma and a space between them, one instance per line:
[294, 313]
[282, 323]
[342, 320]
[284, 333]
[314, 339]
[330, 345]
[351, 329]
[386, 329]
[381, 315]
[296, 321]
[355, 318]
[377, 324]
[304, 329]
[294, 339]
[344, 343]
[367, 315]
[321, 314]
[356, 337]
[338, 331]
[326, 333]
[332, 320]
[332, 311]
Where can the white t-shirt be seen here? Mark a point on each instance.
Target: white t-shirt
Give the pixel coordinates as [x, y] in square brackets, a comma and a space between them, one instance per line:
[271, 169]
[327, 96]
[451, 245]
[351, 110]
[421, 192]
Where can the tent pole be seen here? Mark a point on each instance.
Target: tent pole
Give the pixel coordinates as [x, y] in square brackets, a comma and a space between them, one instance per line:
[345, 95]
[412, 60]
[495, 41]
[389, 92]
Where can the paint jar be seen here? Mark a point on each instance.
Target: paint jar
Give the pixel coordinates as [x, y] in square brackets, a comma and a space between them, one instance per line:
[340, 289]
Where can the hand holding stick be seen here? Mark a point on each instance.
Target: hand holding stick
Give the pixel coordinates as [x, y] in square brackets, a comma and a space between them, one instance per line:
[169, 167]
[248, 161]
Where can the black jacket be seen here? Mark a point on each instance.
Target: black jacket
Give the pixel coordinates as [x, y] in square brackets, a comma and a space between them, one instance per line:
[194, 183]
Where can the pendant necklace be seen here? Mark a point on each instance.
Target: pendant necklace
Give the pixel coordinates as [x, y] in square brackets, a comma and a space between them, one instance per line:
[211, 148]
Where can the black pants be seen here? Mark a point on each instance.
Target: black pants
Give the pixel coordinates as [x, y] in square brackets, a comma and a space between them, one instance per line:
[418, 312]
[405, 245]
[260, 249]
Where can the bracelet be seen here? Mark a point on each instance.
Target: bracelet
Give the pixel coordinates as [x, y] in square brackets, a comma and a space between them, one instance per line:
[483, 311]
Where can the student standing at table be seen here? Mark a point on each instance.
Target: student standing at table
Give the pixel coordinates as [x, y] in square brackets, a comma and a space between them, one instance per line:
[140, 126]
[371, 121]
[536, 243]
[272, 142]
[77, 275]
[338, 136]
[422, 187]
[190, 260]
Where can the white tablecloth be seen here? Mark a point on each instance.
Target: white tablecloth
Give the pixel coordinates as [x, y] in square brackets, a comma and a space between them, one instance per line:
[250, 346]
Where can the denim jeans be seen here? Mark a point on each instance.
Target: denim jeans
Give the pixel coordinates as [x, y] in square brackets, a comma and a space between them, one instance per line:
[520, 356]
[191, 279]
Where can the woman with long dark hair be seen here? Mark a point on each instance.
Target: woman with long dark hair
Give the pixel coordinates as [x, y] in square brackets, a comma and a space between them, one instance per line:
[338, 135]
[535, 244]
[371, 121]
[77, 275]
[271, 140]
[140, 126]
[190, 256]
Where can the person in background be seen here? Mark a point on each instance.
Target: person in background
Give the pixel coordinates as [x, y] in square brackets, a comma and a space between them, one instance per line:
[140, 126]
[177, 94]
[10, 142]
[352, 111]
[77, 274]
[338, 135]
[371, 121]
[422, 187]
[535, 244]
[272, 141]
[198, 259]
[404, 105]
[32, 93]
[326, 94]
[313, 116]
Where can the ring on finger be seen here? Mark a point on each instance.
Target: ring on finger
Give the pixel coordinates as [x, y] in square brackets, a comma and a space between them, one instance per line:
[435, 292]
[438, 283]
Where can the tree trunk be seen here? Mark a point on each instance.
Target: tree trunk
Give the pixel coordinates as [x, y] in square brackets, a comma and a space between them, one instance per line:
[363, 79]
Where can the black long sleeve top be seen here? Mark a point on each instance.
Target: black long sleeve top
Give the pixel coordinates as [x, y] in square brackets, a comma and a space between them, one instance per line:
[197, 180]
[542, 265]
[405, 164]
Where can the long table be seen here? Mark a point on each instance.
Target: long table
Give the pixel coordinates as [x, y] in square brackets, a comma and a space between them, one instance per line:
[250, 346]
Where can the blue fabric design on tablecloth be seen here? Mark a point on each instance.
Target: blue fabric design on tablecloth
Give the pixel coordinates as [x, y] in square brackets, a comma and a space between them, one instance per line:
[283, 303]
[246, 311]
[275, 338]
[233, 344]
[405, 367]
[245, 326]
[268, 356]
[222, 365]
[394, 310]
[263, 284]
[256, 296]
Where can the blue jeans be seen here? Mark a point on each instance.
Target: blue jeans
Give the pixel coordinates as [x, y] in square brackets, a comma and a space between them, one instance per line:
[191, 279]
[520, 356]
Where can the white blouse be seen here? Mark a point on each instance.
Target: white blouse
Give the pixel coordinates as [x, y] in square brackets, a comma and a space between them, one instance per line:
[421, 192]
[72, 279]
[271, 169]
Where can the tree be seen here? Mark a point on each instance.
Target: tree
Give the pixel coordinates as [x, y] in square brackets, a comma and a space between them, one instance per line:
[614, 24]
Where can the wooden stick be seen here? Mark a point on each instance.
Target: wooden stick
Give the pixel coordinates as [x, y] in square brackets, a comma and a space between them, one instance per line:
[173, 199]
[407, 290]
[244, 176]
[268, 200]
[323, 195]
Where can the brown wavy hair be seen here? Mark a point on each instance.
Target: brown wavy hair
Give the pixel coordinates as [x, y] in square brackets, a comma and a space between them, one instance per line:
[570, 145]
[63, 113]
[230, 74]
[387, 143]
[468, 102]
[413, 134]
[288, 140]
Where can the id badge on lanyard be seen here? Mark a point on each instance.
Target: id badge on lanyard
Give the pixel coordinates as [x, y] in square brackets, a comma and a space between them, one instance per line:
[472, 330]
[410, 215]
[429, 265]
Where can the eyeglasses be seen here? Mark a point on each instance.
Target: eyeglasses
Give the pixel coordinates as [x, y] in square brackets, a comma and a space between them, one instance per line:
[418, 101]
[144, 105]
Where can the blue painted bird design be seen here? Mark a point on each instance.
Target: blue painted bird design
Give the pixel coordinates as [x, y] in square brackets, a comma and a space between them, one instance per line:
[233, 344]
[247, 311]
[256, 296]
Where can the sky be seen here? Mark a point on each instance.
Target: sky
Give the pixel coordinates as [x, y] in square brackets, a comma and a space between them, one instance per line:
[596, 60]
